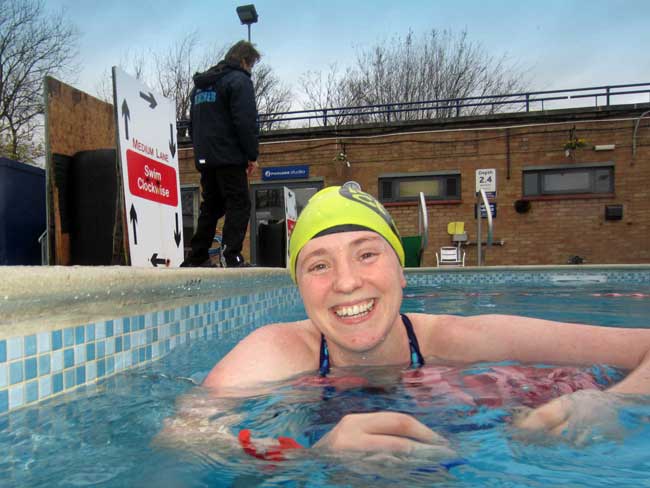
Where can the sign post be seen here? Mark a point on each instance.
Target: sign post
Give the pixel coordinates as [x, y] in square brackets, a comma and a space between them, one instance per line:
[291, 215]
[148, 155]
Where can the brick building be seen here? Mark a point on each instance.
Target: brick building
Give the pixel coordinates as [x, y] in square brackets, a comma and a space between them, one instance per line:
[571, 182]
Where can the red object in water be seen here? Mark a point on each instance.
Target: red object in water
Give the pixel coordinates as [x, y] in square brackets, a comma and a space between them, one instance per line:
[273, 453]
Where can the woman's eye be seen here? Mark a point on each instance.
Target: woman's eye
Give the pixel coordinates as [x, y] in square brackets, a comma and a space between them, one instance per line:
[368, 255]
[316, 267]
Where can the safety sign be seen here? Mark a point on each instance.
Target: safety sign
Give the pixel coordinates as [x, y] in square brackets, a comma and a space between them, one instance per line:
[148, 156]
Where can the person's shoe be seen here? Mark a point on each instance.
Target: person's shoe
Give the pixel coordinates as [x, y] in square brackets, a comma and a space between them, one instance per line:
[205, 264]
[236, 261]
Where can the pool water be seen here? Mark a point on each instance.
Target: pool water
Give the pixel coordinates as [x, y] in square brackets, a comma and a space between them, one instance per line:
[102, 435]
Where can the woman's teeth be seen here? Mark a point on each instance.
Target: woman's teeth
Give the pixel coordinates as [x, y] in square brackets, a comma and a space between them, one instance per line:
[355, 310]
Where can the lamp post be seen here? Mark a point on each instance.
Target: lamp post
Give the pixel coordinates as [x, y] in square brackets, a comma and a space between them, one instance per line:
[247, 15]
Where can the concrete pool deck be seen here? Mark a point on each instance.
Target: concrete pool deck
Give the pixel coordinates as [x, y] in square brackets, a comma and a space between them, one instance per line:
[38, 298]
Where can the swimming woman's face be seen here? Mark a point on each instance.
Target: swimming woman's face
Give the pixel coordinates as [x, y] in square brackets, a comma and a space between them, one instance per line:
[351, 284]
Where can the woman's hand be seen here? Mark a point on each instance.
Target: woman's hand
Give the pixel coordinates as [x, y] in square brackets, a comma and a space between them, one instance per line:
[580, 416]
[384, 432]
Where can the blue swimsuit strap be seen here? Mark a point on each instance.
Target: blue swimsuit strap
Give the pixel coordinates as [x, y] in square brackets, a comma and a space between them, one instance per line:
[416, 356]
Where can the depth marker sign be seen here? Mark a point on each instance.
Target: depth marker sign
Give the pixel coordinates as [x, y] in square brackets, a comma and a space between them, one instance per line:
[147, 147]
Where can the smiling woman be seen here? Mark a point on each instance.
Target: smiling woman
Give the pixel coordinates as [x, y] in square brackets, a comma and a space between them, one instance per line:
[346, 258]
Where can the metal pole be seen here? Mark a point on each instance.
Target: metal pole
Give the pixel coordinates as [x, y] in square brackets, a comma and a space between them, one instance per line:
[478, 231]
[249, 32]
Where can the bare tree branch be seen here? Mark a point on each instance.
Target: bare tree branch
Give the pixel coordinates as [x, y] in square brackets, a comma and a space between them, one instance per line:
[437, 66]
[33, 44]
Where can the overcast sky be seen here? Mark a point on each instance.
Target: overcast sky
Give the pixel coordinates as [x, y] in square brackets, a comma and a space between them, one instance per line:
[564, 43]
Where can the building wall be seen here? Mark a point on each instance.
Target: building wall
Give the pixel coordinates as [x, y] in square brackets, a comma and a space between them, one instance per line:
[554, 229]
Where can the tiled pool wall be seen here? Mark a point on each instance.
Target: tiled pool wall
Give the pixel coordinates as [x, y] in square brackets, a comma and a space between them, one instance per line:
[39, 366]
[531, 275]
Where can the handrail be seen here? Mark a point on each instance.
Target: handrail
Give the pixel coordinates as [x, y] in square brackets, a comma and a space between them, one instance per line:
[513, 102]
[479, 241]
[423, 226]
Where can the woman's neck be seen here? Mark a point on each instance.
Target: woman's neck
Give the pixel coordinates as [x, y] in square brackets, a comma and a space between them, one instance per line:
[393, 349]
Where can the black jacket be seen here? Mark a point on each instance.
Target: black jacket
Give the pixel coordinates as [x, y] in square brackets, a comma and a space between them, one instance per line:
[223, 117]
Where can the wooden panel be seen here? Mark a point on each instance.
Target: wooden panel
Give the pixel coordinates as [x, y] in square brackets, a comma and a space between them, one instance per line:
[74, 121]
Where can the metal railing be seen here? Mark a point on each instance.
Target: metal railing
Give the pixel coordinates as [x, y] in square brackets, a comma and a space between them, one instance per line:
[451, 107]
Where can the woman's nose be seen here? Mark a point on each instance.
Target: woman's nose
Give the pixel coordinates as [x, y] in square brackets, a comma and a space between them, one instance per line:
[347, 278]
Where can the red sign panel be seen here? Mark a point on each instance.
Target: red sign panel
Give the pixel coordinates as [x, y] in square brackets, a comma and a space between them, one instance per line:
[151, 180]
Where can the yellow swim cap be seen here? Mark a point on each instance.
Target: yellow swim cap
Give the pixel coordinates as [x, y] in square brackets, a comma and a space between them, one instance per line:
[341, 208]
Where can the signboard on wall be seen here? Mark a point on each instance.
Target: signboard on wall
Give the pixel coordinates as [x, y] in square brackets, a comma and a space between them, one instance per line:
[285, 172]
[493, 210]
[291, 215]
[149, 160]
[486, 179]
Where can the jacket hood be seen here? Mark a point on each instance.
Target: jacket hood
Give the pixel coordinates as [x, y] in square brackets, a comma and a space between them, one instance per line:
[210, 76]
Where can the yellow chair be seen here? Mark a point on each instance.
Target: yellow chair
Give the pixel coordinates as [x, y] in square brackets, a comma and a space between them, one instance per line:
[455, 228]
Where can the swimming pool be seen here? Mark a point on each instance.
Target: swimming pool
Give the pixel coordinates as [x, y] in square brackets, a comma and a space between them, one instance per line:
[98, 433]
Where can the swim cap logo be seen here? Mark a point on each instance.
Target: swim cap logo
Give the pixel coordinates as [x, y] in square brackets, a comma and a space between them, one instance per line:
[352, 193]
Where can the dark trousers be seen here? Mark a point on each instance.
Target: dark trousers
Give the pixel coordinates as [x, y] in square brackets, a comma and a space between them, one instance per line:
[224, 192]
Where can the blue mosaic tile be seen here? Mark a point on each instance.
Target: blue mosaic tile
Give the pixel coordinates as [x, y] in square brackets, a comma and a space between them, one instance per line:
[90, 333]
[44, 342]
[109, 328]
[148, 353]
[3, 351]
[118, 344]
[101, 350]
[14, 348]
[127, 343]
[4, 380]
[31, 368]
[126, 325]
[141, 354]
[117, 326]
[15, 372]
[90, 351]
[69, 379]
[91, 371]
[81, 375]
[31, 391]
[101, 368]
[44, 386]
[79, 354]
[16, 396]
[57, 382]
[57, 340]
[79, 334]
[4, 401]
[57, 361]
[68, 358]
[30, 345]
[110, 365]
[100, 331]
[110, 346]
[149, 336]
[68, 337]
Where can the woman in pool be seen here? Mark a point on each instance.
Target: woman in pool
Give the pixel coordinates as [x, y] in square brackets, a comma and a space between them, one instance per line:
[346, 258]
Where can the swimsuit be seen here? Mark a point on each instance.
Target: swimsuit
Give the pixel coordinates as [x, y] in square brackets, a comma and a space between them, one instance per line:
[416, 357]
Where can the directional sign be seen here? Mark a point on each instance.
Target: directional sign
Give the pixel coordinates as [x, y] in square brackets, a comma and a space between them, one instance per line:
[486, 179]
[148, 157]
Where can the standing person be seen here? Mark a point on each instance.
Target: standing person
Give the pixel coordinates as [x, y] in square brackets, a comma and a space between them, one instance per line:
[224, 131]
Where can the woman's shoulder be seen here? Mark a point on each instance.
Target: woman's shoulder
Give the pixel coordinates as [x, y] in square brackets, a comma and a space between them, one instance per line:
[269, 353]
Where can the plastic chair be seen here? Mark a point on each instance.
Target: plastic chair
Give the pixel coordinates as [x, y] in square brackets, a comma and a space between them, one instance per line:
[450, 256]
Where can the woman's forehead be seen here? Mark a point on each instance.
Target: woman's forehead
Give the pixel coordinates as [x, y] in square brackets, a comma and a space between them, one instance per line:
[331, 242]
